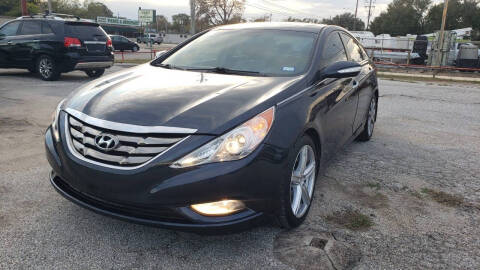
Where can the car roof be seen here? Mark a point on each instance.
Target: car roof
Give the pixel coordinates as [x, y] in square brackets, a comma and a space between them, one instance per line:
[292, 26]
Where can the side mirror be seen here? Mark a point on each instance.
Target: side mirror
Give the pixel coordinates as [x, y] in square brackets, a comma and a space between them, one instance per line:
[160, 53]
[342, 69]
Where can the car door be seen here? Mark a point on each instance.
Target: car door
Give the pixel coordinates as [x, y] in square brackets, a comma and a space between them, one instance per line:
[7, 32]
[27, 42]
[362, 87]
[334, 95]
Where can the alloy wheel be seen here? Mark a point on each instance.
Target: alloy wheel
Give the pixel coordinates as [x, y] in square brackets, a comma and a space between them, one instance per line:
[45, 67]
[371, 116]
[302, 181]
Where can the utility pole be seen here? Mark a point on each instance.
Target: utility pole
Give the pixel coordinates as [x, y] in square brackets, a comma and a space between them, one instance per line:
[355, 20]
[192, 17]
[23, 3]
[442, 32]
[49, 6]
[370, 6]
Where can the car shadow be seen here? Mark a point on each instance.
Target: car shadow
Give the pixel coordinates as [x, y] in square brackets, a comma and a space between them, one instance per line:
[75, 76]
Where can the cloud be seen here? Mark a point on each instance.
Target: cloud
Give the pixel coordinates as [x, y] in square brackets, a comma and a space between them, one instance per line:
[280, 9]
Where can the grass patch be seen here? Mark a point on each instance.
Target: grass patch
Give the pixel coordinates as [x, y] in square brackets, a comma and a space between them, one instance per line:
[422, 79]
[352, 220]
[132, 61]
[373, 185]
[443, 197]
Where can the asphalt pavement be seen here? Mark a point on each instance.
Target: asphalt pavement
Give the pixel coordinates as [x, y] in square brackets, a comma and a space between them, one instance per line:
[425, 148]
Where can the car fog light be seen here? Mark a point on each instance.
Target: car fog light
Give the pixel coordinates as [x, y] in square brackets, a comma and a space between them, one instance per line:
[220, 208]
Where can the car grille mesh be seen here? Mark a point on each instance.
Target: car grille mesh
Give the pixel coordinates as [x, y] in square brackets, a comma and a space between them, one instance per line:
[132, 150]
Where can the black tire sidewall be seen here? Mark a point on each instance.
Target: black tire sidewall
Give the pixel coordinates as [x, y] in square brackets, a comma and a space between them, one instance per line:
[286, 217]
[95, 73]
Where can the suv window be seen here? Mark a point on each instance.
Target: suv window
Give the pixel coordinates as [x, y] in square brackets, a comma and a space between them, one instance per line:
[10, 29]
[46, 29]
[31, 28]
[85, 31]
[356, 53]
[333, 50]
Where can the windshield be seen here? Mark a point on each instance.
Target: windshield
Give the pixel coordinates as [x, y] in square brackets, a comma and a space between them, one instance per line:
[266, 52]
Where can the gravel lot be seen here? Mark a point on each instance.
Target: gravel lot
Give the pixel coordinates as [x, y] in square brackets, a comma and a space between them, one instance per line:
[409, 198]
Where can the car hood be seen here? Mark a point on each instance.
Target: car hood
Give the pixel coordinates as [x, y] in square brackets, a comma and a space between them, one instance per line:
[153, 96]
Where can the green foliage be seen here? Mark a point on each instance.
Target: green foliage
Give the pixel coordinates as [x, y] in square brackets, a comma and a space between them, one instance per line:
[419, 17]
[402, 17]
[346, 20]
[87, 9]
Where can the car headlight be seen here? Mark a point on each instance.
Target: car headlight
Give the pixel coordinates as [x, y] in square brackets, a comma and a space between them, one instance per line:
[55, 115]
[234, 145]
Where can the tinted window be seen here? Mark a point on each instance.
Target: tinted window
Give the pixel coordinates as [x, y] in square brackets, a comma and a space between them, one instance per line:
[46, 29]
[355, 52]
[124, 39]
[270, 52]
[333, 50]
[10, 29]
[85, 31]
[31, 28]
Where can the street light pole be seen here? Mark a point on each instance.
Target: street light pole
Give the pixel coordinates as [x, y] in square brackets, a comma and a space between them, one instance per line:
[192, 17]
[49, 6]
[355, 20]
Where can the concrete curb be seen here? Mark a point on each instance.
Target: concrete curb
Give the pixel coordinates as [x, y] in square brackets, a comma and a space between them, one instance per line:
[430, 76]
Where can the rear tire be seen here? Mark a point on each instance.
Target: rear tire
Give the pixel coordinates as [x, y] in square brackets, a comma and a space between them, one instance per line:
[95, 73]
[135, 49]
[297, 188]
[370, 122]
[47, 68]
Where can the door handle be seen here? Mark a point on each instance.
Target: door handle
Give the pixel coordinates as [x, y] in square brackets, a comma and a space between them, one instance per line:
[9, 43]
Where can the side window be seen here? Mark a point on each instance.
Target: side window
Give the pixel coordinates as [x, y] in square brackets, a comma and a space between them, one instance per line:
[124, 39]
[354, 51]
[333, 50]
[31, 28]
[10, 29]
[46, 29]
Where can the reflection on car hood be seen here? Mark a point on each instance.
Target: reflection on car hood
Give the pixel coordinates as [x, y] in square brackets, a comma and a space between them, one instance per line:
[154, 96]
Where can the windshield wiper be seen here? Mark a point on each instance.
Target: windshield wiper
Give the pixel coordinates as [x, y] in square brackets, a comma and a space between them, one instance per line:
[224, 70]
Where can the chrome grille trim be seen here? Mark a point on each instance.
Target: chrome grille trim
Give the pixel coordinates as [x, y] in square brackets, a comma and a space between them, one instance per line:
[127, 127]
[82, 147]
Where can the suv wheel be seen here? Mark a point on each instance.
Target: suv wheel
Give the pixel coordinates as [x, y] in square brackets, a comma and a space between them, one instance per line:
[297, 189]
[47, 68]
[95, 73]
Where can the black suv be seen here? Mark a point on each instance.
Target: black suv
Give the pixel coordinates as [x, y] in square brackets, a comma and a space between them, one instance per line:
[50, 45]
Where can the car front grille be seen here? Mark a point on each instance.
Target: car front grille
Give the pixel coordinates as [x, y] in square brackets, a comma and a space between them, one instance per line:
[132, 149]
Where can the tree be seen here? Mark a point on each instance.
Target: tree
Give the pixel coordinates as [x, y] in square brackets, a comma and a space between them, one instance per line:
[402, 17]
[346, 20]
[460, 15]
[181, 23]
[219, 12]
[12, 7]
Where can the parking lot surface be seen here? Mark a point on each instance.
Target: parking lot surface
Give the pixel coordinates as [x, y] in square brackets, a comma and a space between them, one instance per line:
[409, 198]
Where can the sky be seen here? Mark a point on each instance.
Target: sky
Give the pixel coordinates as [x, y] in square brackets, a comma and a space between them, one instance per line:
[280, 9]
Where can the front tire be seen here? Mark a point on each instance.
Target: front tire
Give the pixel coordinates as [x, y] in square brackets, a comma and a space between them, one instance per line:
[95, 73]
[370, 122]
[47, 68]
[298, 187]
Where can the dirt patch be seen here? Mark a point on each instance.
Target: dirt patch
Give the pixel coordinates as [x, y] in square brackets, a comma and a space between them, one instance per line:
[350, 219]
[444, 198]
[8, 124]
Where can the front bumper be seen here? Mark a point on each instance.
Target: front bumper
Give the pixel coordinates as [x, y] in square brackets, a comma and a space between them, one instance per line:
[157, 195]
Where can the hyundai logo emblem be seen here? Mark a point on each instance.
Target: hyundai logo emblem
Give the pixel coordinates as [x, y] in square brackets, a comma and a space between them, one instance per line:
[106, 142]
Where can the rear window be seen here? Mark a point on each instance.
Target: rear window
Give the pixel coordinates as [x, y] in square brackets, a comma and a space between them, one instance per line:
[85, 32]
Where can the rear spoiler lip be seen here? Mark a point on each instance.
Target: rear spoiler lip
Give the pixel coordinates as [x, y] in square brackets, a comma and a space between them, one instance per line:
[82, 23]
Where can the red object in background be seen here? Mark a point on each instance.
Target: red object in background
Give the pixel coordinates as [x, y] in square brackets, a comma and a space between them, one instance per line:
[24, 7]
[71, 42]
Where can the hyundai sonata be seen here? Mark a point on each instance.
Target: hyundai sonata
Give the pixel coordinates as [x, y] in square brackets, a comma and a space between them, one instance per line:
[230, 126]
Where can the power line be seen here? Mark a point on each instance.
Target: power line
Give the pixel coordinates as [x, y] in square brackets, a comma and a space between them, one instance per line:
[267, 9]
[291, 9]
